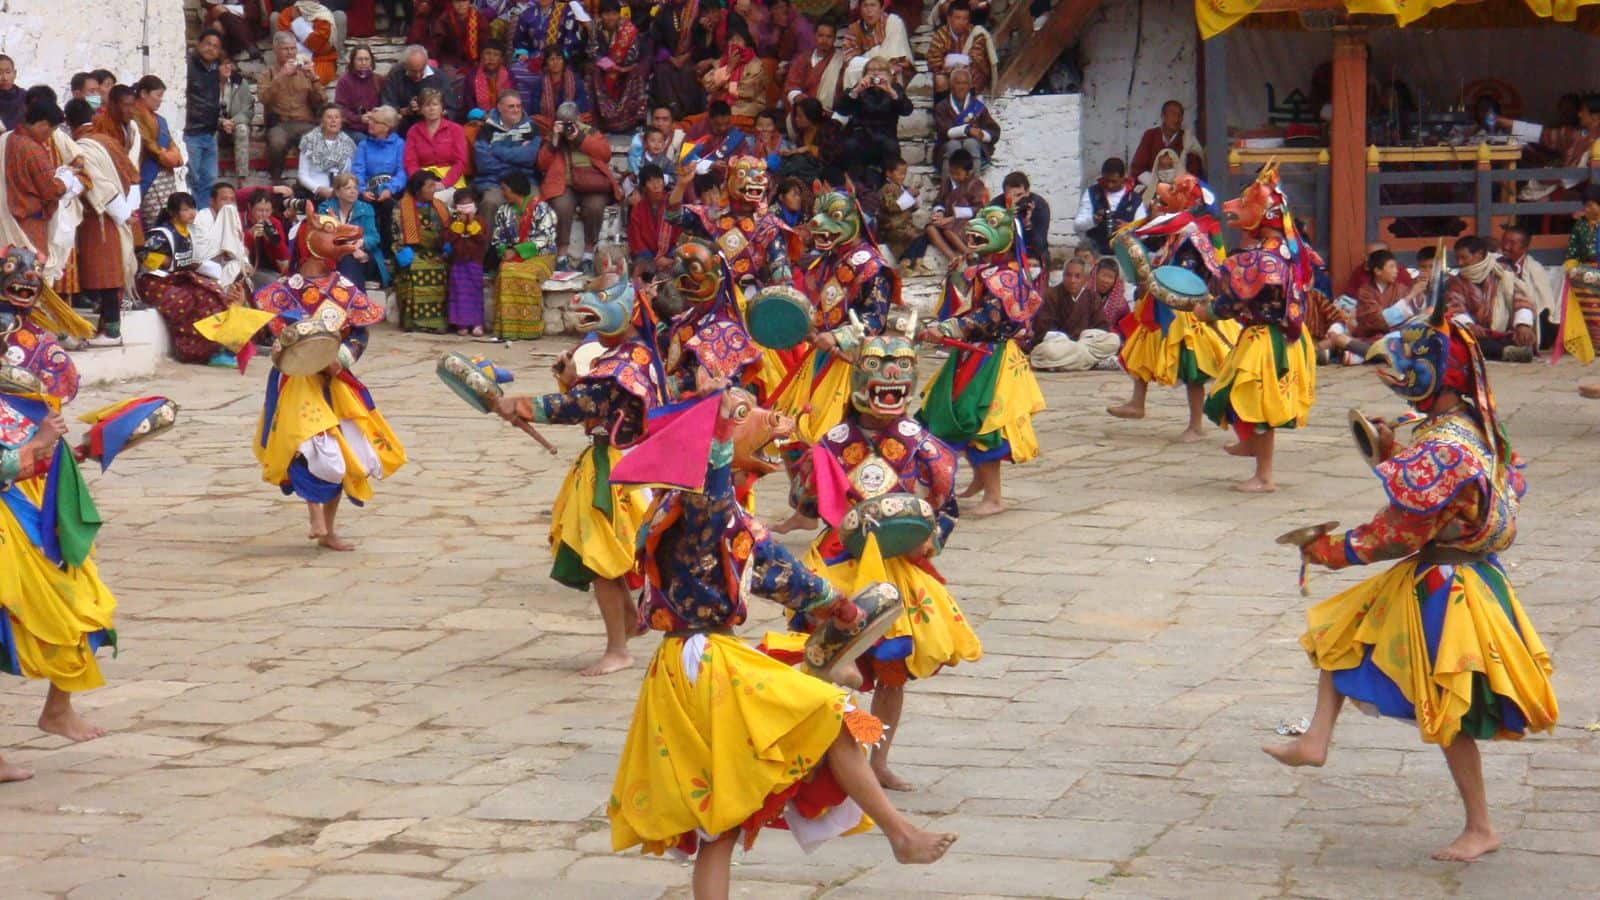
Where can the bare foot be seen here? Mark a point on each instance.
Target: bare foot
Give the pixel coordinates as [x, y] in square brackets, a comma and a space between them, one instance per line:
[1255, 486]
[1589, 391]
[1237, 448]
[1296, 753]
[796, 522]
[919, 847]
[1469, 846]
[1126, 411]
[988, 508]
[609, 661]
[972, 490]
[334, 542]
[70, 725]
[1191, 435]
[9, 772]
[890, 781]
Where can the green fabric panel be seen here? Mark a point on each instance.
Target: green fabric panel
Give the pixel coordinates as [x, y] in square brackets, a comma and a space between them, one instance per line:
[77, 519]
[568, 569]
[957, 419]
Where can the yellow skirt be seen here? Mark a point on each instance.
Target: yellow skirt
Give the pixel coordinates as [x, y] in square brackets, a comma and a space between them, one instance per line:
[54, 617]
[818, 403]
[1446, 646]
[933, 624]
[1149, 355]
[1017, 399]
[720, 735]
[582, 533]
[1249, 388]
[303, 411]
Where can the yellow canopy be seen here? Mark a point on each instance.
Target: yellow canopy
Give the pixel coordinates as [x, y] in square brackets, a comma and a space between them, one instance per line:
[1216, 16]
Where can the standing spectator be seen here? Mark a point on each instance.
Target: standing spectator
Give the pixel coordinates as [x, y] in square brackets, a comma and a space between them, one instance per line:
[238, 112]
[35, 184]
[468, 242]
[1169, 135]
[739, 79]
[961, 195]
[1107, 205]
[419, 235]
[13, 100]
[438, 145]
[346, 205]
[650, 235]
[961, 120]
[379, 168]
[506, 143]
[1032, 215]
[325, 154]
[405, 82]
[489, 80]
[555, 88]
[1536, 279]
[576, 162]
[960, 44]
[814, 73]
[292, 98]
[548, 28]
[875, 35]
[525, 241]
[160, 155]
[315, 30]
[82, 85]
[203, 114]
[674, 76]
[874, 106]
[616, 77]
[359, 91]
[241, 24]
[105, 237]
[266, 239]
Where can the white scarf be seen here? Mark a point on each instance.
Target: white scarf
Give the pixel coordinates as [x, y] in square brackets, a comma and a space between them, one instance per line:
[219, 237]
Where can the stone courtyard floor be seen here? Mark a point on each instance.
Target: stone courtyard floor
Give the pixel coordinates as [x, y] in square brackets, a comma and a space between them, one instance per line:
[405, 721]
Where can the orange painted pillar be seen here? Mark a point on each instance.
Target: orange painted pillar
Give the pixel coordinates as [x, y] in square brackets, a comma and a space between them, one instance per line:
[1347, 183]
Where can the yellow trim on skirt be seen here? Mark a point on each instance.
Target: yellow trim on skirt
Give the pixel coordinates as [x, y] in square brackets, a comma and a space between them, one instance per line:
[51, 610]
[706, 754]
[1256, 393]
[817, 409]
[605, 545]
[1149, 355]
[304, 411]
[1016, 400]
[1382, 612]
[939, 631]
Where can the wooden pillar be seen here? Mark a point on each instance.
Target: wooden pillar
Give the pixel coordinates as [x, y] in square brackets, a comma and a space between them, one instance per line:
[1347, 238]
[1214, 115]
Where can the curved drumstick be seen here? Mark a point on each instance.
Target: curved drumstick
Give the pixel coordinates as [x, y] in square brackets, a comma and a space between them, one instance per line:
[532, 432]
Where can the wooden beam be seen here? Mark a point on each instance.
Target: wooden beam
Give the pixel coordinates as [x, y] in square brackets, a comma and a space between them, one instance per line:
[1214, 115]
[1028, 63]
[1348, 137]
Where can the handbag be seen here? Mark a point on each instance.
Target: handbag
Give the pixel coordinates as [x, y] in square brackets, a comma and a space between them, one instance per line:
[587, 179]
[163, 186]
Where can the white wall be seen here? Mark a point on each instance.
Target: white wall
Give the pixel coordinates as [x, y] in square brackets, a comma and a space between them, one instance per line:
[53, 39]
[1156, 41]
[1039, 135]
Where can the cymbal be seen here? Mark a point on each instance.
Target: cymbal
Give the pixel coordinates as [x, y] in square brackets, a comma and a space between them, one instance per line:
[1304, 535]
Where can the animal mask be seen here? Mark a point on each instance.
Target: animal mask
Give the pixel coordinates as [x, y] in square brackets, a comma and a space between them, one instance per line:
[1182, 195]
[21, 280]
[884, 376]
[323, 237]
[836, 222]
[991, 231]
[1261, 204]
[756, 432]
[608, 312]
[747, 180]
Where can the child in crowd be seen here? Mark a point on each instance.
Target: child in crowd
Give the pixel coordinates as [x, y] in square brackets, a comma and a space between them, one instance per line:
[468, 239]
[794, 208]
[655, 155]
[769, 143]
[650, 236]
[961, 194]
[897, 202]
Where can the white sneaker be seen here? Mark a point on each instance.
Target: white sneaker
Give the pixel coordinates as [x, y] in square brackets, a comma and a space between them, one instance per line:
[100, 341]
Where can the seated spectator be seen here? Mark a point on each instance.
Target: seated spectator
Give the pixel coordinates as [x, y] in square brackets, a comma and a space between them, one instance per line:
[325, 153]
[1116, 295]
[617, 77]
[557, 87]
[787, 35]
[793, 206]
[768, 142]
[422, 27]
[817, 142]
[650, 235]
[548, 28]
[874, 107]
[1516, 259]
[459, 33]
[681, 43]
[738, 80]
[961, 120]
[655, 152]
[1382, 305]
[380, 169]
[1107, 205]
[525, 242]
[503, 15]
[266, 239]
[169, 280]
[316, 34]
[346, 205]
[238, 111]
[961, 195]
[506, 143]
[407, 80]
[959, 44]
[981, 8]
[241, 24]
[1070, 333]
[1359, 277]
[717, 139]
[359, 91]
[438, 145]
[292, 97]
[897, 203]
[1169, 135]
[576, 162]
[672, 144]
[875, 35]
[1583, 244]
[219, 248]
[1491, 302]
[484, 85]
[814, 73]
[1032, 215]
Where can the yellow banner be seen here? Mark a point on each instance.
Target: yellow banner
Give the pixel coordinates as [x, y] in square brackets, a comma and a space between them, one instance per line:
[1216, 16]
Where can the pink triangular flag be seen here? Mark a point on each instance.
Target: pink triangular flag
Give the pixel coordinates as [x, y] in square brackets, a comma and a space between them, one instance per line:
[674, 454]
[243, 355]
[832, 483]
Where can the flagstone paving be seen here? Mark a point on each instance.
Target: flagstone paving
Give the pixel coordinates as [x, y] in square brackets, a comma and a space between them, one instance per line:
[406, 721]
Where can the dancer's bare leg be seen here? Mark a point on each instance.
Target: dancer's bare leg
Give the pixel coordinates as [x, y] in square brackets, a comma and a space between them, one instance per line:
[1478, 837]
[1134, 408]
[11, 772]
[60, 718]
[711, 867]
[1261, 482]
[1311, 748]
[331, 538]
[911, 844]
[319, 522]
[988, 474]
[619, 613]
[1197, 401]
[887, 702]
[797, 522]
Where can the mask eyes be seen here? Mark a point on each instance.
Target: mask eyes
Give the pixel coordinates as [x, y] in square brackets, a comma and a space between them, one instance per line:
[872, 363]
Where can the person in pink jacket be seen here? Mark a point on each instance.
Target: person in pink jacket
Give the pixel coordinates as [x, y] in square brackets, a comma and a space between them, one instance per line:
[437, 144]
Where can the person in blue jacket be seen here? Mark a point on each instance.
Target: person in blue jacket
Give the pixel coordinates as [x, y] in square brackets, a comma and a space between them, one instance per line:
[507, 142]
[379, 167]
[347, 206]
